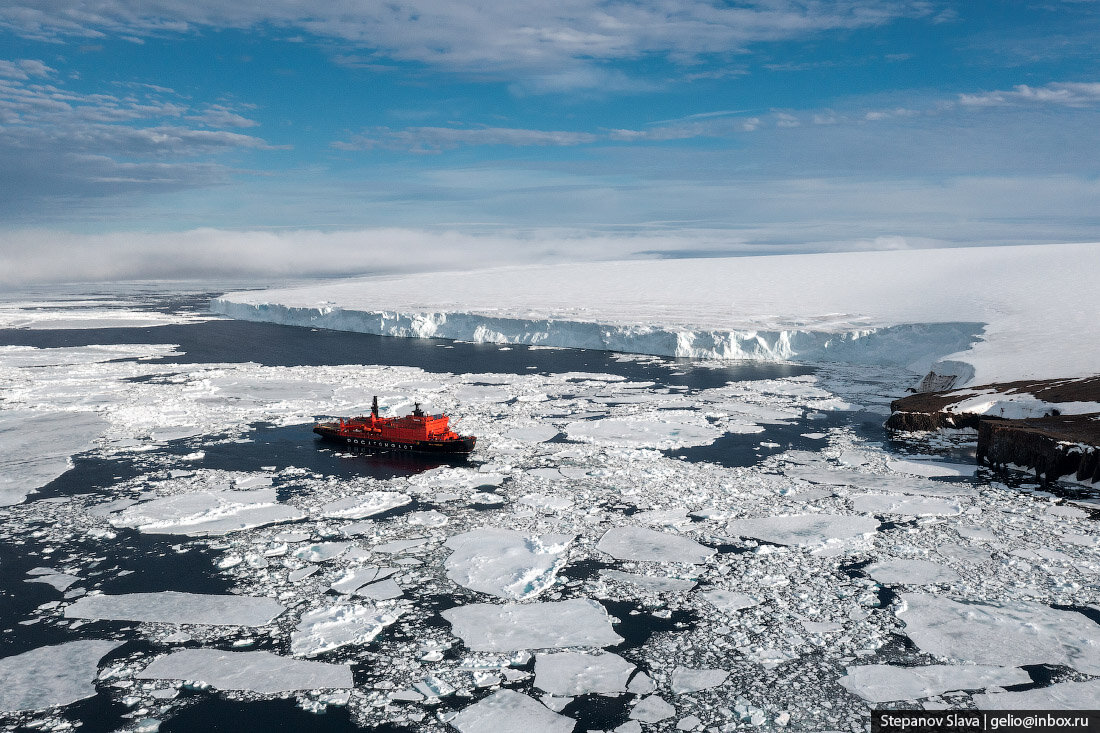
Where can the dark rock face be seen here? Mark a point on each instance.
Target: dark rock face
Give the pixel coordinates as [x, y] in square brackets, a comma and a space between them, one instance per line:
[1045, 445]
[1053, 446]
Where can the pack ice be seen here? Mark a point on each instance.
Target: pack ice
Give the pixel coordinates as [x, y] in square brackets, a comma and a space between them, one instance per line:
[510, 627]
[259, 671]
[51, 675]
[172, 607]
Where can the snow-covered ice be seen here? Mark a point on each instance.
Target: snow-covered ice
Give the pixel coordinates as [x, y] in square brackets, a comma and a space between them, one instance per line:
[770, 572]
[688, 679]
[902, 571]
[652, 709]
[365, 505]
[804, 529]
[642, 543]
[905, 505]
[51, 675]
[504, 562]
[1061, 696]
[643, 433]
[330, 627]
[28, 461]
[207, 513]
[552, 625]
[567, 674]
[886, 682]
[808, 307]
[930, 468]
[1007, 634]
[506, 710]
[258, 671]
[172, 607]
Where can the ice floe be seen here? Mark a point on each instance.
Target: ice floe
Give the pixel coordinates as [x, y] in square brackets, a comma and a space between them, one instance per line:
[330, 627]
[36, 448]
[642, 543]
[552, 625]
[643, 433]
[258, 671]
[354, 579]
[930, 468]
[887, 682]
[171, 607]
[729, 601]
[365, 505]
[1007, 634]
[901, 571]
[207, 513]
[504, 562]
[906, 505]
[651, 583]
[51, 675]
[509, 710]
[567, 674]
[652, 709]
[1061, 696]
[687, 679]
[804, 529]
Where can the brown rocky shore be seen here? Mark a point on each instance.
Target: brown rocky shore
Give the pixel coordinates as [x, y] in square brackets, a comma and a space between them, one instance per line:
[1052, 444]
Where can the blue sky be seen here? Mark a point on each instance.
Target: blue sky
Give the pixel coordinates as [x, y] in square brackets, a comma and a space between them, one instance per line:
[527, 131]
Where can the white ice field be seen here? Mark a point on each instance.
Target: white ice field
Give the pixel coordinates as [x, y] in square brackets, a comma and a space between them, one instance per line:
[570, 560]
[990, 314]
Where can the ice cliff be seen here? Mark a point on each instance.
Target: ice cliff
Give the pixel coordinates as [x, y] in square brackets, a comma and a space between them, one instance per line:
[983, 314]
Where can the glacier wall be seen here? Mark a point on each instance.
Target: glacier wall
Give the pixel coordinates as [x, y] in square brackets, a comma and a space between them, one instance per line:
[918, 346]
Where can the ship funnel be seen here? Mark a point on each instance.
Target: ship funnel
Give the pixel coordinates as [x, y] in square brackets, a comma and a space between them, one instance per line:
[374, 407]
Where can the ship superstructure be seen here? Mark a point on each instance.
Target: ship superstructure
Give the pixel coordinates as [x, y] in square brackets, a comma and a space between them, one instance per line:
[417, 432]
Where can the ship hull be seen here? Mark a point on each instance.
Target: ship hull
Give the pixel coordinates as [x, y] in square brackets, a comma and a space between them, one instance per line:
[458, 447]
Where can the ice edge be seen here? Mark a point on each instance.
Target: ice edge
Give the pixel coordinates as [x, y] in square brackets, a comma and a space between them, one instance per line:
[919, 346]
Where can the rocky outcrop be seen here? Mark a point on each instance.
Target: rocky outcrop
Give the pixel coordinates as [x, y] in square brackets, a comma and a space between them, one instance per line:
[1049, 443]
[1052, 447]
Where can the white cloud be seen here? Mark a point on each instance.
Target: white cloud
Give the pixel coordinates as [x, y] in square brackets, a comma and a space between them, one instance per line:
[558, 45]
[1068, 94]
[24, 69]
[60, 143]
[435, 139]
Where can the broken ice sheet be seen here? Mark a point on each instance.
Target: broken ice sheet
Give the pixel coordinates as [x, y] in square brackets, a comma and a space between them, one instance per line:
[665, 433]
[728, 600]
[356, 578]
[804, 529]
[1061, 696]
[653, 584]
[687, 679]
[930, 468]
[207, 513]
[364, 505]
[50, 676]
[57, 580]
[259, 671]
[642, 543]
[906, 505]
[178, 608]
[330, 627]
[567, 674]
[507, 710]
[504, 562]
[1008, 634]
[899, 571]
[27, 462]
[487, 627]
[886, 682]
[652, 709]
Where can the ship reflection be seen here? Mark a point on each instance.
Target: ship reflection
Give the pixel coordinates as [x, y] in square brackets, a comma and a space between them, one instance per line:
[397, 461]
